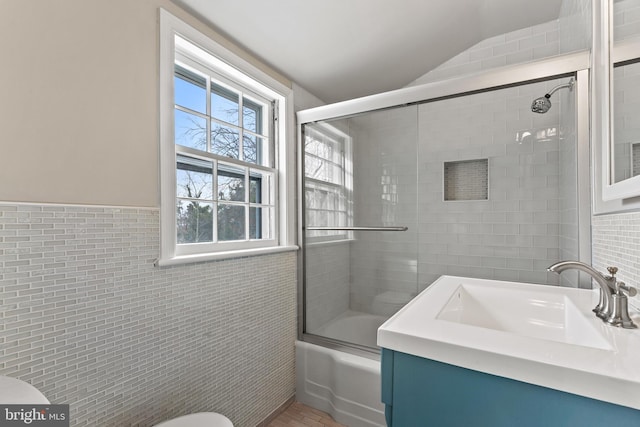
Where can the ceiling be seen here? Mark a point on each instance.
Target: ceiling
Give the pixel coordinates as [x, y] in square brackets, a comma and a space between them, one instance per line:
[342, 49]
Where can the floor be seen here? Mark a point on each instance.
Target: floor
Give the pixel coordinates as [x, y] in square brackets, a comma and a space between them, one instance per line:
[299, 415]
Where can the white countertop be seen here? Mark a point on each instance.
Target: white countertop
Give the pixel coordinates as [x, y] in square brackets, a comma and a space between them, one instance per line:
[610, 373]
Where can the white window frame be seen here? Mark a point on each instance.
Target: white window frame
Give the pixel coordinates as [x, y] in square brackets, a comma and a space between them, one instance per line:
[179, 39]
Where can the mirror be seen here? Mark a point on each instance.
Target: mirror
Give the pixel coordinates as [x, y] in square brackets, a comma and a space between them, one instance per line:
[616, 72]
[626, 80]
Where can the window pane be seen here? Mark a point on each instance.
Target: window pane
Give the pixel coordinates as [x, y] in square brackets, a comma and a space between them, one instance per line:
[190, 130]
[317, 148]
[225, 141]
[224, 104]
[260, 187]
[194, 178]
[253, 149]
[337, 174]
[252, 115]
[194, 221]
[231, 222]
[317, 168]
[231, 183]
[323, 170]
[190, 90]
[313, 167]
[255, 223]
[259, 220]
[309, 198]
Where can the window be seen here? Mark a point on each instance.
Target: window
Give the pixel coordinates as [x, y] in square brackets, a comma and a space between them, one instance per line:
[223, 152]
[327, 170]
[224, 167]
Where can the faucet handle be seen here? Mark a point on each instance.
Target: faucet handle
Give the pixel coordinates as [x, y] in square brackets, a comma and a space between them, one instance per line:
[629, 289]
[620, 285]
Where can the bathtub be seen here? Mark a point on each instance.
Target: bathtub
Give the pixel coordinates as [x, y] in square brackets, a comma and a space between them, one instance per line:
[342, 384]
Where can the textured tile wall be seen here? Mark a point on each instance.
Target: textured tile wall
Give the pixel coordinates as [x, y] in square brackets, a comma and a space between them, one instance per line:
[616, 242]
[327, 273]
[88, 320]
[514, 235]
[571, 32]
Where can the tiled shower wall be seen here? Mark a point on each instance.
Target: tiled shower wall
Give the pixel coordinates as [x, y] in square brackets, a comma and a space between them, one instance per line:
[327, 278]
[88, 320]
[514, 235]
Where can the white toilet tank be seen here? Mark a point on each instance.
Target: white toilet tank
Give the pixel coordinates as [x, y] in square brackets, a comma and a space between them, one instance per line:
[389, 302]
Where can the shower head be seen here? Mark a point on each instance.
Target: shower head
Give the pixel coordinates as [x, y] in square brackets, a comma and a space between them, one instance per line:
[543, 104]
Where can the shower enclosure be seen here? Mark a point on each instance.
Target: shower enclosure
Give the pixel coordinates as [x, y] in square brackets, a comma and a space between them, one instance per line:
[452, 178]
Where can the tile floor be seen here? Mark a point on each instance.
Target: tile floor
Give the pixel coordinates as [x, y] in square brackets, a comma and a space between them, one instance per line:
[299, 415]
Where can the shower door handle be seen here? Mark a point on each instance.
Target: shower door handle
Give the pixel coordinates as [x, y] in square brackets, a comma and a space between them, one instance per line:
[381, 228]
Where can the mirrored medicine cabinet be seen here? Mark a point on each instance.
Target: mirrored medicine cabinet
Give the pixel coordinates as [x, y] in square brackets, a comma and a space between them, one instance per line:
[616, 104]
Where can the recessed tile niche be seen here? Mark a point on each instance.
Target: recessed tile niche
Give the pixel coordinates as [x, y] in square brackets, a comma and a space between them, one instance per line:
[466, 180]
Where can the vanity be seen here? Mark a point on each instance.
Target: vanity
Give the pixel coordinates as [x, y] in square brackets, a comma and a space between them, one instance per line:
[474, 352]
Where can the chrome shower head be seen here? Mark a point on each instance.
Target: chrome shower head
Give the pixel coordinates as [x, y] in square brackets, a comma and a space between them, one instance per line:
[543, 104]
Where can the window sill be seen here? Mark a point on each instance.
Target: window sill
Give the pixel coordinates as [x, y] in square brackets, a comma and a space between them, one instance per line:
[218, 256]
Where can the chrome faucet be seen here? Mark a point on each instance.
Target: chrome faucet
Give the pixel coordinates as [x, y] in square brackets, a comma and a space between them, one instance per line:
[613, 306]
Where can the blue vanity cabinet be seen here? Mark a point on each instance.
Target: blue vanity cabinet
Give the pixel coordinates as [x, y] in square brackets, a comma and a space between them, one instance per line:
[419, 392]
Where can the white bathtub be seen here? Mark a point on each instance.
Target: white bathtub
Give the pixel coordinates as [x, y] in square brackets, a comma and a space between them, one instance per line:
[342, 384]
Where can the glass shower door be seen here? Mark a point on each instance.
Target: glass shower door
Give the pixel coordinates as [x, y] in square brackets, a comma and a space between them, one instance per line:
[360, 231]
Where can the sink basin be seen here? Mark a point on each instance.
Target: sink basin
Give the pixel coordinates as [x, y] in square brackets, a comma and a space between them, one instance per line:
[543, 335]
[524, 311]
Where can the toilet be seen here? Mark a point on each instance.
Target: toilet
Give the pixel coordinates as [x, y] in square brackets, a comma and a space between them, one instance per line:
[200, 419]
[389, 302]
[16, 392]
